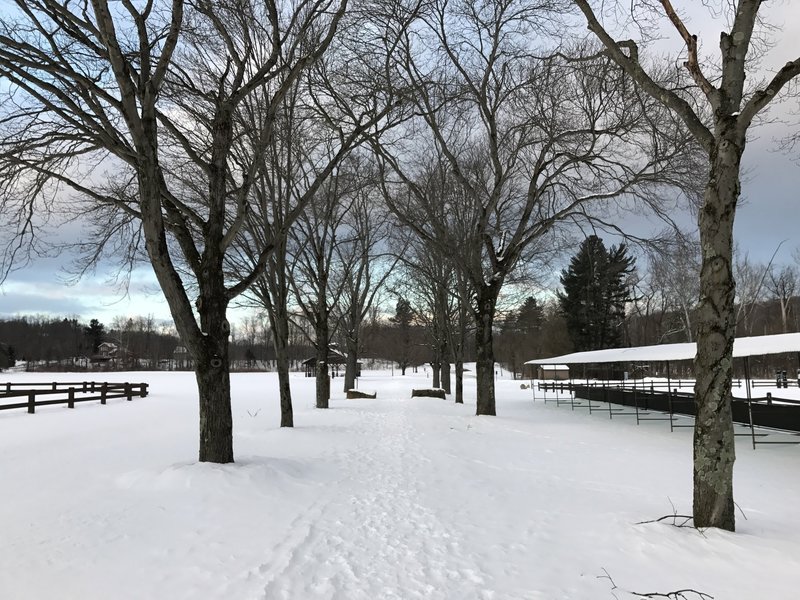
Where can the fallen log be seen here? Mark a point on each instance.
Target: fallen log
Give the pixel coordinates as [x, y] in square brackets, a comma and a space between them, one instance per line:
[354, 394]
[429, 393]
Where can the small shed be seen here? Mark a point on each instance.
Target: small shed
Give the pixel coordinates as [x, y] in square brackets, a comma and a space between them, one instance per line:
[557, 372]
[336, 359]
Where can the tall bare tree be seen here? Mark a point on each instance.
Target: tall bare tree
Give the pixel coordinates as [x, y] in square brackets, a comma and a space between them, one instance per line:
[674, 268]
[152, 92]
[317, 277]
[781, 284]
[367, 264]
[750, 277]
[527, 142]
[717, 109]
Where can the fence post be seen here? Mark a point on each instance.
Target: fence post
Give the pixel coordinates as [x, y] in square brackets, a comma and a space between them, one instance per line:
[143, 390]
[103, 392]
[71, 398]
[128, 392]
[31, 402]
[752, 426]
[669, 400]
[84, 387]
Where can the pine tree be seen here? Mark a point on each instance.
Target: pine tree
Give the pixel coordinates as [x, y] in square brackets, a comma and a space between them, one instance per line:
[95, 333]
[403, 318]
[519, 338]
[530, 316]
[595, 294]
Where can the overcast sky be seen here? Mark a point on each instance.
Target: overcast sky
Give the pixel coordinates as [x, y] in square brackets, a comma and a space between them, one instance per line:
[769, 215]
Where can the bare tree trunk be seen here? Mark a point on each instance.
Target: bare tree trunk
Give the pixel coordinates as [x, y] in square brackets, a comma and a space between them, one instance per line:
[280, 339]
[714, 450]
[688, 320]
[785, 315]
[323, 376]
[444, 363]
[445, 370]
[282, 361]
[435, 366]
[484, 351]
[216, 422]
[459, 380]
[212, 370]
[461, 339]
[351, 367]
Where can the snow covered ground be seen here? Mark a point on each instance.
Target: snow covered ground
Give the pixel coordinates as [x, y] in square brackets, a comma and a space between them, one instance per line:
[390, 498]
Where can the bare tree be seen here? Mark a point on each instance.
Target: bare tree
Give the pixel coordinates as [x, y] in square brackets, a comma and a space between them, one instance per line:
[527, 143]
[750, 278]
[674, 268]
[427, 281]
[717, 109]
[367, 264]
[317, 277]
[153, 92]
[781, 284]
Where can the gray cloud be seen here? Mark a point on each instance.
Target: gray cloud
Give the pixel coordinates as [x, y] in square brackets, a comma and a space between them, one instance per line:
[20, 303]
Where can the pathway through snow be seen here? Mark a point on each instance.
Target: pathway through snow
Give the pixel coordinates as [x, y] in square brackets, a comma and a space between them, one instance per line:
[375, 534]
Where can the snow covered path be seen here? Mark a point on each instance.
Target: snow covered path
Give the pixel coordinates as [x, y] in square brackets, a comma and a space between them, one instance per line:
[379, 534]
[394, 498]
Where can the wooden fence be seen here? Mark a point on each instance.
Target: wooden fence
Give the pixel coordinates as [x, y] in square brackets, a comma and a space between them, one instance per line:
[66, 393]
[781, 415]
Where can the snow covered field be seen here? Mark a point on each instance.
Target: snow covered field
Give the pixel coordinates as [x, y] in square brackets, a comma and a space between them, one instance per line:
[391, 498]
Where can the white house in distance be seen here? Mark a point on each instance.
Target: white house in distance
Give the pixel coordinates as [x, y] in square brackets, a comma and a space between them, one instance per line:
[558, 372]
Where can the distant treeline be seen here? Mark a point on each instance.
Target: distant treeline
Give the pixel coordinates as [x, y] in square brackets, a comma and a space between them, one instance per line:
[146, 343]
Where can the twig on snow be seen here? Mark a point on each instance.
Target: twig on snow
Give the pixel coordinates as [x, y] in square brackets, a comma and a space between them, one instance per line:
[675, 518]
[684, 594]
[676, 595]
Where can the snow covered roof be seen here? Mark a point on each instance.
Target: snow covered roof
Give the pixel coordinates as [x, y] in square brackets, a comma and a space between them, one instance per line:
[746, 346]
[550, 367]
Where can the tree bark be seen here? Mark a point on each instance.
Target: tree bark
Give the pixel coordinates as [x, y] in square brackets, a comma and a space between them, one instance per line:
[351, 367]
[714, 449]
[216, 422]
[446, 381]
[284, 387]
[280, 338]
[459, 381]
[484, 350]
[323, 384]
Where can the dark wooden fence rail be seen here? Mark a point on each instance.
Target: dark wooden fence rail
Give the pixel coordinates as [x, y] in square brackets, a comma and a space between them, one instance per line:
[630, 384]
[768, 413]
[66, 393]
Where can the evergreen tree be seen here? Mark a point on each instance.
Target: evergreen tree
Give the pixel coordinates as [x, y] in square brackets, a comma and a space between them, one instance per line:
[595, 294]
[403, 318]
[530, 316]
[95, 333]
[520, 338]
